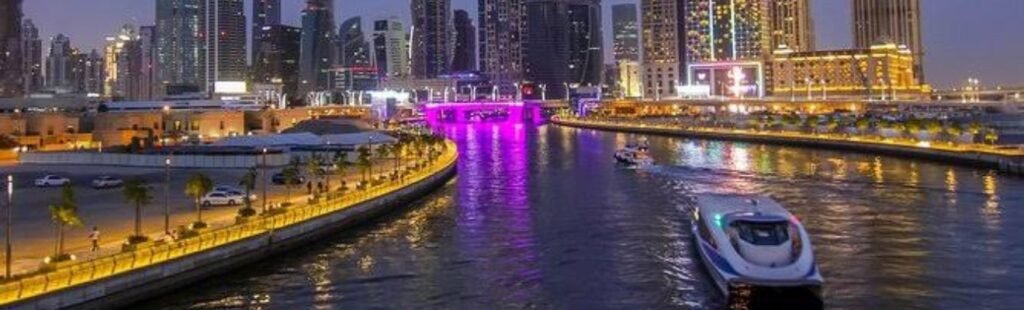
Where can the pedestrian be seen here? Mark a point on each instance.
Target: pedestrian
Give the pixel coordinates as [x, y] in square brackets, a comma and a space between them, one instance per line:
[320, 187]
[94, 236]
[309, 188]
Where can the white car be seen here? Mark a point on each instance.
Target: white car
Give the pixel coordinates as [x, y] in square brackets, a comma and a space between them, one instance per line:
[52, 180]
[222, 199]
[106, 182]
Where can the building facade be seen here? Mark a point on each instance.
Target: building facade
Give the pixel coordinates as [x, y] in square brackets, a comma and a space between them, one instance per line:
[727, 30]
[32, 57]
[630, 79]
[59, 64]
[565, 44]
[663, 42]
[791, 24]
[264, 13]
[626, 32]
[431, 38]
[317, 46]
[390, 49]
[94, 73]
[221, 42]
[149, 87]
[503, 37]
[353, 50]
[10, 49]
[890, 21]
[464, 57]
[278, 61]
[884, 71]
[177, 23]
[122, 64]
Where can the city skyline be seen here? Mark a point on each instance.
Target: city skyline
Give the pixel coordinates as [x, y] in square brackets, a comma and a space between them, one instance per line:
[953, 50]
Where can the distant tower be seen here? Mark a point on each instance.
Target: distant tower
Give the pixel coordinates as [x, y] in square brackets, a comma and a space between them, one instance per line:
[464, 58]
[564, 44]
[317, 46]
[32, 57]
[626, 45]
[390, 48]
[10, 49]
[59, 63]
[664, 43]
[264, 13]
[149, 87]
[431, 37]
[353, 50]
[502, 27]
[221, 42]
[278, 61]
[177, 22]
[122, 65]
[890, 21]
[791, 24]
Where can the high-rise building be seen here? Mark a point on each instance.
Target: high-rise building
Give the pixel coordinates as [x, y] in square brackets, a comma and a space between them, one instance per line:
[122, 65]
[791, 24]
[59, 64]
[94, 73]
[32, 57]
[727, 30]
[317, 46]
[431, 38]
[664, 46]
[626, 45]
[279, 57]
[890, 21]
[464, 57]
[10, 49]
[503, 39]
[353, 50]
[565, 44]
[221, 43]
[149, 86]
[390, 48]
[630, 81]
[264, 13]
[177, 23]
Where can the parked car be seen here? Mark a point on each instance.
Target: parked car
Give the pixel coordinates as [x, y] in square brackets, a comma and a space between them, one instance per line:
[52, 180]
[106, 182]
[240, 193]
[225, 188]
[278, 179]
[221, 199]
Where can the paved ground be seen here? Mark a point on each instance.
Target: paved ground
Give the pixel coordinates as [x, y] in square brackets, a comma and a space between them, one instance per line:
[34, 232]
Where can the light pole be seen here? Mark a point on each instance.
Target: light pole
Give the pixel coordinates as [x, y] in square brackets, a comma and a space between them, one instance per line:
[809, 82]
[824, 90]
[167, 195]
[7, 237]
[263, 175]
[567, 98]
[543, 92]
[518, 92]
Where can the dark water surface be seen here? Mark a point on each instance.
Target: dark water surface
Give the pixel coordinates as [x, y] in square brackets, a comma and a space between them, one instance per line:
[539, 217]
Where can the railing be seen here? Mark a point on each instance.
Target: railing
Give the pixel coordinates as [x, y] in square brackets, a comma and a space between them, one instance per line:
[152, 254]
[958, 148]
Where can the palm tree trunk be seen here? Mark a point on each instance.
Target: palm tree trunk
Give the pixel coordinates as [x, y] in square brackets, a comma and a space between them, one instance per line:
[59, 247]
[138, 219]
[199, 211]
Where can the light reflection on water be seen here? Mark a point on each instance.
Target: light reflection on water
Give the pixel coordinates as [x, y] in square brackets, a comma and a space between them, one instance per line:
[539, 217]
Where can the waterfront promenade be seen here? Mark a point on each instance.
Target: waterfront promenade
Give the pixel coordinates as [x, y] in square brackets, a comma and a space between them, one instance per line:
[1010, 160]
[74, 283]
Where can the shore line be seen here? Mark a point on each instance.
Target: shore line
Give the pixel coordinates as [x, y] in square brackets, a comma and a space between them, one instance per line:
[1012, 164]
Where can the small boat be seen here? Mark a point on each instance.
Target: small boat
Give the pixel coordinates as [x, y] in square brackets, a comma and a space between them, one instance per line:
[634, 155]
[758, 254]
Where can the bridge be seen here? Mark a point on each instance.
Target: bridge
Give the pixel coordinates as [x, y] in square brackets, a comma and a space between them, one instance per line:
[462, 112]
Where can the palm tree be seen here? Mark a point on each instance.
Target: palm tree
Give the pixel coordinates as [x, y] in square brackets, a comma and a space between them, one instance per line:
[341, 164]
[137, 193]
[383, 151]
[991, 136]
[64, 214]
[248, 183]
[196, 187]
[364, 162]
[313, 168]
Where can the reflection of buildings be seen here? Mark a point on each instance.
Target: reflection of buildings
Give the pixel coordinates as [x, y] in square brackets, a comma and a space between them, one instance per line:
[890, 21]
[882, 71]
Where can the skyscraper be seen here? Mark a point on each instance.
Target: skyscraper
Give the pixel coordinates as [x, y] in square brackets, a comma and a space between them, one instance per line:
[390, 48]
[664, 43]
[122, 65]
[564, 44]
[353, 50]
[317, 50]
[431, 37]
[10, 49]
[177, 23]
[464, 58]
[93, 73]
[502, 39]
[59, 64]
[278, 61]
[221, 43]
[264, 13]
[791, 24]
[626, 45]
[725, 30]
[32, 57]
[149, 86]
[890, 21]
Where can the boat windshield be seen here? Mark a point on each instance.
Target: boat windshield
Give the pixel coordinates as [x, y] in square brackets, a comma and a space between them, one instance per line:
[762, 233]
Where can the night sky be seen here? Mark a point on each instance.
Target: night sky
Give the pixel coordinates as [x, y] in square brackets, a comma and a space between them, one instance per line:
[963, 38]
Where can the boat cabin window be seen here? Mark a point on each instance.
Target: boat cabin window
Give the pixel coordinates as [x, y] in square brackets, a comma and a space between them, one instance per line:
[762, 233]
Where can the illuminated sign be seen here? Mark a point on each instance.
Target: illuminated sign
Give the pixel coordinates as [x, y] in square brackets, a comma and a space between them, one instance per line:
[230, 87]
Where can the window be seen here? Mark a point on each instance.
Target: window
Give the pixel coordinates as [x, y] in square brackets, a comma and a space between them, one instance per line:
[771, 233]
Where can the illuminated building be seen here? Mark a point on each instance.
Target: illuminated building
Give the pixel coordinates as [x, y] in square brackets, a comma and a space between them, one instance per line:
[221, 40]
[355, 79]
[121, 64]
[630, 82]
[149, 86]
[503, 39]
[317, 46]
[728, 78]
[564, 44]
[431, 37]
[883, 71]
[663, 42]
[391, 55]
[626, 45]
[890, 21]
[59, 63]
[464, 58]
[353, 50]
[278, 61]
[791, 24]
[726, 30]
[177, 22]
[265, 13]
[10, 49]
[32, 57]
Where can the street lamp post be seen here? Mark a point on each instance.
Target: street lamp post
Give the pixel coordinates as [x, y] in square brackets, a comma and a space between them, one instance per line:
[809, 82]
[824, 90]
[10, 223]
[263, 175]
[167, 195]
[543, 92]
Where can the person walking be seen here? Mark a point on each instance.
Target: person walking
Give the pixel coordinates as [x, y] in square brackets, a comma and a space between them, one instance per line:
[94, 237]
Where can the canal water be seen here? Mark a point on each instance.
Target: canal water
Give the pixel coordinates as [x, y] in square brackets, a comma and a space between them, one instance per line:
[540, 217]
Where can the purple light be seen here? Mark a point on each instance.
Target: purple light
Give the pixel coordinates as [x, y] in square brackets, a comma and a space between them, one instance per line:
[517, 111]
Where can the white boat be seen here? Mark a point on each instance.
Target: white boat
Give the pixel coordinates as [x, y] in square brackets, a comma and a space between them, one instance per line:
[635, 155]
[758, 254]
